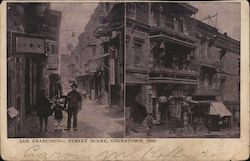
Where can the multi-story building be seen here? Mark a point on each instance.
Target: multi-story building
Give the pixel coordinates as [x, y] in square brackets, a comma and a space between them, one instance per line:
[32, 58]
[217, 59]
[99, 55]
[170, 53]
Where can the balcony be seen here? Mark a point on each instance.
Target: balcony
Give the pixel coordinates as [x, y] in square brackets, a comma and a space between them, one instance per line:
[208, 91]
[182, 38]
[209, 62]
[166, 75]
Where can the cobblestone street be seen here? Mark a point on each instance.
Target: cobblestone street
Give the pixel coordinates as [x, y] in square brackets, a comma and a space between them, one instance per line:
[139, 130]
[94, 121]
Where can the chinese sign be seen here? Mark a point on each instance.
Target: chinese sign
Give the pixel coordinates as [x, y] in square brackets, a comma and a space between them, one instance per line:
[29, 45]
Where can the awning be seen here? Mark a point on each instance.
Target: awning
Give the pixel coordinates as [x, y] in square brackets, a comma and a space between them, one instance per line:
[219, 109]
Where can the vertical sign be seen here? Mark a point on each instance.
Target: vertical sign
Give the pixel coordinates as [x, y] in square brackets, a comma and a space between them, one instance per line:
[111, 71]
[112, 65]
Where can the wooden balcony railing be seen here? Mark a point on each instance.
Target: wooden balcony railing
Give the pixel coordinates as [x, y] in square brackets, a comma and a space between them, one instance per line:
[166, 75]
[210, 62]
[209, 90]
[188, 36]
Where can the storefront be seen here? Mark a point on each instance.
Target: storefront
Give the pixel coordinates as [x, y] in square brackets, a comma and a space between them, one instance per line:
[211, 115]
[25, 66]
[177, 93]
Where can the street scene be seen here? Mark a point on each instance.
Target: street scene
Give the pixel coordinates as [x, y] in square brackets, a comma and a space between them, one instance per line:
[92, 122]
[65, 74]
[182, 70]
[123, 69]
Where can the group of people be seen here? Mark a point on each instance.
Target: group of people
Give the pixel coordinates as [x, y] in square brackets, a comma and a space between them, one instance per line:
[71, 104]
[168, 111]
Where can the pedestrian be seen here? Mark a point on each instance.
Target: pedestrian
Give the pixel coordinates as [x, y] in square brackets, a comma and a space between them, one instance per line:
[58, 115]
[162, 112]
[74, 101]
[195, 125]
[163, 108]
[149, 123]
[172, 115]
[209, 124]
[43, 109]
[173, 124]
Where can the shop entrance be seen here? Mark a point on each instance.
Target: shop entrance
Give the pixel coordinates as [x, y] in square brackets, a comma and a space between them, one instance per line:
[137, 111]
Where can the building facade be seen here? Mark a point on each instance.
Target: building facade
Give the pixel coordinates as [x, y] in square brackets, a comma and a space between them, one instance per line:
[170, 53]
[32, 58]
[98, 56]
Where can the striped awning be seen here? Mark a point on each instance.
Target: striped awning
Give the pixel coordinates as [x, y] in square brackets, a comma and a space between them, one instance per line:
[219, 109]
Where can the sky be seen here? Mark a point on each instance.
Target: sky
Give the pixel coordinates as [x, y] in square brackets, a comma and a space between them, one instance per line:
[228, 15]
[74, 18]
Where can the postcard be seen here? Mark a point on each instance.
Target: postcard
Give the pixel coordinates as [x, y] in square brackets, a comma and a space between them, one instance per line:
[124, 80]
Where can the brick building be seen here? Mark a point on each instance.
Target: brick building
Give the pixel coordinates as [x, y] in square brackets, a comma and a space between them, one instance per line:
[32, 59]
[170, 53]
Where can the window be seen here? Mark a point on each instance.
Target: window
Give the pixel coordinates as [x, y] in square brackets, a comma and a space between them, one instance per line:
[180, 25]
[156, 19]
[169, 21]
[206, 81]
[203, 49]
[138, 53]
[185, 28]
[131, 10]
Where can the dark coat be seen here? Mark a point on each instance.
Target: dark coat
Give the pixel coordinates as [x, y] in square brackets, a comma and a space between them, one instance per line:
[149, 121]
[73, 99]
[58, 112]
[43, 107]
[162, 107]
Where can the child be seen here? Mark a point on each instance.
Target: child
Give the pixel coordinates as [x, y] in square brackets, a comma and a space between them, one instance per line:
[58, 116]
[149, 123]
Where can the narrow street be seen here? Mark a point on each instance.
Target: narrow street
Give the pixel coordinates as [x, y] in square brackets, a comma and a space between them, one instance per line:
[94, 121]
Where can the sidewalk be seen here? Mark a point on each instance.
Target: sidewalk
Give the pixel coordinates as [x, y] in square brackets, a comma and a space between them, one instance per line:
[139, 130]
[94, 120]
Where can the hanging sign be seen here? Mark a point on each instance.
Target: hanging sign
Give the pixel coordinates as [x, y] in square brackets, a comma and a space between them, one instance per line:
[29, 45]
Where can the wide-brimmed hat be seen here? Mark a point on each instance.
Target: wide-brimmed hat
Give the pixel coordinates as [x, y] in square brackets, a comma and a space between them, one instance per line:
[74, 84]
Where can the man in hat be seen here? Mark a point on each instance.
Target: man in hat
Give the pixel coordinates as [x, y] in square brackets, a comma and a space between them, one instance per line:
[163, 108]
[74, 99]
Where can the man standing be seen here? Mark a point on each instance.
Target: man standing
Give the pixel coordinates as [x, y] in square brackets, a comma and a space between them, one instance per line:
[74, 101]
[163, 108]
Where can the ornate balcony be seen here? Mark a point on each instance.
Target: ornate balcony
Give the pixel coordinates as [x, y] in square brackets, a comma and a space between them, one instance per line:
[168, 34]
[166, 75]
[209, 62]
[202, 90]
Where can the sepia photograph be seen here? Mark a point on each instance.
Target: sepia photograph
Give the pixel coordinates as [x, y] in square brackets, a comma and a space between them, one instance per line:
[65, 70]
[124, 80]
[182, 70]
